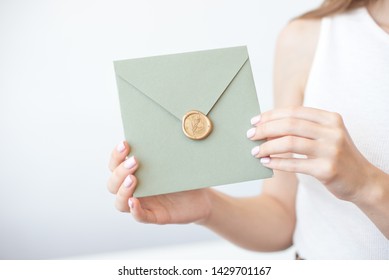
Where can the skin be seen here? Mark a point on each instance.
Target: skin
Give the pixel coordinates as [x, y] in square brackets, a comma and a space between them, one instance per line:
[379, 11]
[266, 222]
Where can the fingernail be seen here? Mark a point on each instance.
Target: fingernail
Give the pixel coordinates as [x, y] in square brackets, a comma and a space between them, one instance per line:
[130, 203]
[265, 160]
[127, 182]
[255, 151]
[120, 148]
[251, 132]
[255, 120]
[129, 163]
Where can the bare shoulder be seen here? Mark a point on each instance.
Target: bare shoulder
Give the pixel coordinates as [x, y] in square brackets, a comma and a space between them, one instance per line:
[300, 35]
[295, 50]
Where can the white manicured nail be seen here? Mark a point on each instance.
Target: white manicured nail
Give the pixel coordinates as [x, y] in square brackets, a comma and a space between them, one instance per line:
[120, 148]
[265, 160]
[251, 132]
[255, 120]
[130, 203]
[127, 182]
[129, 163]
[255, 151]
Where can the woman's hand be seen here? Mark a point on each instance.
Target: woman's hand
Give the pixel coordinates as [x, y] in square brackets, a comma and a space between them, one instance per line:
[330, 154]
[181, 207]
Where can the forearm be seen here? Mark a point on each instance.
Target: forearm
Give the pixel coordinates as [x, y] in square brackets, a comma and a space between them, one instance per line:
[373, 200]
[258, 223]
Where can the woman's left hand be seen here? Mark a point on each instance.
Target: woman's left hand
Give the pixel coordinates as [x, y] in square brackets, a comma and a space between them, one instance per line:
[321, 136]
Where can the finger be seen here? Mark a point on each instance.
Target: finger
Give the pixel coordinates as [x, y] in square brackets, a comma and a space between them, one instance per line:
[284, 127]
[304, 113]
[295, 165]
[140, 214]
[125, 191]
[117, 177]
[118, 155]
[256, 119]
[287, 144]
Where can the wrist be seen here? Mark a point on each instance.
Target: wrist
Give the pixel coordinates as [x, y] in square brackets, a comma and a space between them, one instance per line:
[213, 198]
[375, 190]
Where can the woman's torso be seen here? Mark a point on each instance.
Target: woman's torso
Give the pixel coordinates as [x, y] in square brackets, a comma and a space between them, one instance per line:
[349, 75]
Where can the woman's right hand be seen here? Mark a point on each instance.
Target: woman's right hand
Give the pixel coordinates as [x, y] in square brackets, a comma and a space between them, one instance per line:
[173, 208]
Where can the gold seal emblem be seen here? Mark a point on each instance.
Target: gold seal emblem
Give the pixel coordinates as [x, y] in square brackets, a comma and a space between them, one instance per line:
[196, 125]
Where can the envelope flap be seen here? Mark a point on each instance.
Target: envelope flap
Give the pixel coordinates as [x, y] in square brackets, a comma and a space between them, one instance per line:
[186, 81]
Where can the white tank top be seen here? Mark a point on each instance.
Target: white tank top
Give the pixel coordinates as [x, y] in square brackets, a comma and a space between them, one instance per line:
[349, 75]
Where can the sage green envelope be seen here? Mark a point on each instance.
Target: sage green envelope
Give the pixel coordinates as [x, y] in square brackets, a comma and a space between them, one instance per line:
[156, 92]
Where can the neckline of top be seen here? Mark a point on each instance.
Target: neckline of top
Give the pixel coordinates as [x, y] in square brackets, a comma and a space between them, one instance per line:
[374, 25]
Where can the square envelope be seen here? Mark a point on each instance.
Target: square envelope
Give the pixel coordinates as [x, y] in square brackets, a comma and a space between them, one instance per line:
[186, 116]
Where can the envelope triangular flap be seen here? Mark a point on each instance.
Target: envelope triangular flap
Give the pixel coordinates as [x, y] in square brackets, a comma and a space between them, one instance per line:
[186, 81]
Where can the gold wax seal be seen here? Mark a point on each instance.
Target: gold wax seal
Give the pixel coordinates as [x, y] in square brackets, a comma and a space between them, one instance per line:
[196, 125]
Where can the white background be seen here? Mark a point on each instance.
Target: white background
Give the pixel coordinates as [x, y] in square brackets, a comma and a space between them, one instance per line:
[60, 118]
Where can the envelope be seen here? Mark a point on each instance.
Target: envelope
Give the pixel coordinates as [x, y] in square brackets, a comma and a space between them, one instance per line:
[186, 116]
